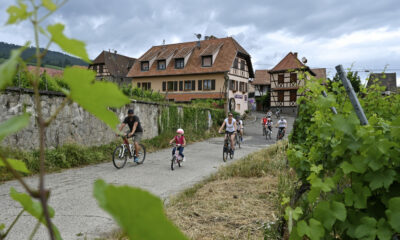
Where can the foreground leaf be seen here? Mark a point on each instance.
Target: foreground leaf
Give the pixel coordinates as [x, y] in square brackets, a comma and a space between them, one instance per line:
[34, 208]
[9, 68]
[17, 13]
[13, 125]
[15, 164]
[49, 4]
[139, 213]
[95, 96]
[393, 213]
[69, 45]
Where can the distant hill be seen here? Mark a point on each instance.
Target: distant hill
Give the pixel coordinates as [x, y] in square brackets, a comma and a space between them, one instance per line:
[52, 58]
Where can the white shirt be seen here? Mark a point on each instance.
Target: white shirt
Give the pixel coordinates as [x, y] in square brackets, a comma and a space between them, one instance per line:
[282, 123]
[230, 127]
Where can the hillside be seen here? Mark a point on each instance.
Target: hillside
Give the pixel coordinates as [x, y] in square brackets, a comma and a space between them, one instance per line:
[52, 58]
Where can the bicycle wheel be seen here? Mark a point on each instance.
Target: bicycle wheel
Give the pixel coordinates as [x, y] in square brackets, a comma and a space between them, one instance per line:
[238, 140]
[142, 154]
[120, 157]
[179, 163]
[231, 154]
[173, 163]
[224, 154]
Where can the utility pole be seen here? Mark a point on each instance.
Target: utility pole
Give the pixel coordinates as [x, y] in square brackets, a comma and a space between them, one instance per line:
[226, 77]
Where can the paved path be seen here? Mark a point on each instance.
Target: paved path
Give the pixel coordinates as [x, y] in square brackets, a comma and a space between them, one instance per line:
[77, 211]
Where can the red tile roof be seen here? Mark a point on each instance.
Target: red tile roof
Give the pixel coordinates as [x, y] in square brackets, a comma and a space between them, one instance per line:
[49, 71]
[319, 72]
[118, 65]
[187, 97]
[289, 62]
[262, 77]
[229, 48]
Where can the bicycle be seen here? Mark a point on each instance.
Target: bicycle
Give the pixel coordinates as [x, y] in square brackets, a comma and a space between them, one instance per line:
[177, 158]
[237, 139]
[227, 149]
[121, 153]
[278, 113]
[281, 134]
[268, 133]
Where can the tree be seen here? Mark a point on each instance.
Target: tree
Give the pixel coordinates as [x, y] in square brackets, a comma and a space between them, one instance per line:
[353, 78]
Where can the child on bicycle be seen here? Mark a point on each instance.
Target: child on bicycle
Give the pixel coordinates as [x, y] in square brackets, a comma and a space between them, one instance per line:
[180, 142]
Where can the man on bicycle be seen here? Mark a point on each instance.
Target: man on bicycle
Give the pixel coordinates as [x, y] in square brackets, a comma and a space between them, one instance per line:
[269, 113]
[282, 124]
[135, 129]
[240, 127]
[269, 123]
[264, 121]
[230, 124]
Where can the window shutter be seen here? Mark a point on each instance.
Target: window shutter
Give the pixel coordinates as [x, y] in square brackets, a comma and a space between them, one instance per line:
[193, 85]
[175, 86]
[236, 86]
[180, 85]
[213, 84]
[138, 84]
[164, 86]
[199, 85]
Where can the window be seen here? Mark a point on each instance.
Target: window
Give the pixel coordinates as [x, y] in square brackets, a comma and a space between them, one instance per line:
[170, 86]
[293, 77]
[281, 78]
[242, 65]
[161, 65]
[100, 68]
[231, 85]
[145, 66]
[145, 85]
[206, 61]
[164, 86]
[176, 86]
[236, 86]
[293, 95]
[180, 85]
[241, 86]
[236, 63]
[95, 68]
[179, 63]
[138, 84]
[207, 84]
[200, 84]
[281, 96]
[188, 85]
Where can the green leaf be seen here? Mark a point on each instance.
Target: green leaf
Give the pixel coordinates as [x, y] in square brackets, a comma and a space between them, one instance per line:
[357, 196]
[34, 208]
[9, 68]
[381, 178]
[347, 167]
[17, 13]
[341, 123]
[338, 210]
[13, 125]
[327, 213]
[69, 45]
[15, 164]
[95, 96]
[383, 231]
[393, 213]
[2, 227]
[139, 213]
[367, 229]
[49, 4]
[316, 230]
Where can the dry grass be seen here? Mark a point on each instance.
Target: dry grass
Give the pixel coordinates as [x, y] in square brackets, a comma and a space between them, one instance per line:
[234, 208]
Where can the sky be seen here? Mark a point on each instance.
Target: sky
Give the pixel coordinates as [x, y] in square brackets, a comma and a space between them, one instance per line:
[362, 34]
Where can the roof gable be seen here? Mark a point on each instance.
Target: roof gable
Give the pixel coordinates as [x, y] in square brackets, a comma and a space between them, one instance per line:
[118, 65]
[384, 79]
[262, 77]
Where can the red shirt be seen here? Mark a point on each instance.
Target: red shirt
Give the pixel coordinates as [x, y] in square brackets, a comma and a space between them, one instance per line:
[179, 140]
[264, 121]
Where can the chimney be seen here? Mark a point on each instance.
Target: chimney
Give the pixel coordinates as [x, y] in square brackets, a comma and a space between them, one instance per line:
[115, 52]
[295, 54]
[198, 44]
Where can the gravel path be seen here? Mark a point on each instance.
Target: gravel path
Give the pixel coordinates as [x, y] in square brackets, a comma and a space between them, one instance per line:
[77, 213]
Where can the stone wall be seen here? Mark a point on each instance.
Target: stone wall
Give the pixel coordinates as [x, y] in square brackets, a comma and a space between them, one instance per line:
[72, 125]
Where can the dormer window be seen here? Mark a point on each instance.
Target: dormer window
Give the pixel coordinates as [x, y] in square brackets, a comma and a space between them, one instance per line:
[179, 63]
[144, 66]
[161, 65]
[206, 61]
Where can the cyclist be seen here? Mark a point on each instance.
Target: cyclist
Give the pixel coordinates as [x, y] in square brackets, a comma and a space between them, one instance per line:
[282, 124]
[278, 112]
[230, 124]
[269, 123]
[264, 121]
[135, 129]
[269, 113]
[180, 140]
[240, 127]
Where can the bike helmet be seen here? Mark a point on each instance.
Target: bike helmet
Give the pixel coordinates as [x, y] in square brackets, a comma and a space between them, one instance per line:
[180, 130]
[130, 111]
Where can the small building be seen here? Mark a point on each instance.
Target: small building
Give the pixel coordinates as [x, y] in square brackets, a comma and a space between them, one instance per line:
[213, 68]
[285, 82]
[262, 86]
[384, 79]
[112, 67]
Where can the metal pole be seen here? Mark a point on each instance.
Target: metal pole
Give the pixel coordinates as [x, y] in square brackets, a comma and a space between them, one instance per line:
[352, 95]
[333, 109]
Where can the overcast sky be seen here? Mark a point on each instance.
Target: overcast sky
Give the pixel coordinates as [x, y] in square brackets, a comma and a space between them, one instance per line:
[365, 33]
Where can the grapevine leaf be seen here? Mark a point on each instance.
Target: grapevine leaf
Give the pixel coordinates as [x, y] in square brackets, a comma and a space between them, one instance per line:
[395, 131]
[338, 210]
[9, 68]
[15, 164]
[339, 122]
[383, 231]
[381, 178]
[13, 125]
[17, 13]
[313, 194]
[323, 213]
[302, 228]
[317, 232]
[367, 229]
[2, 227]
[73, 46]
[34, 208]
[393, 213]
[49, 4]
[361, 195]
[135, 210]
[95, 96]
[347, 167]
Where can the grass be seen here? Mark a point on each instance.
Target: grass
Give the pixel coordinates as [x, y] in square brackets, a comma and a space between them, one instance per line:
[241, 201]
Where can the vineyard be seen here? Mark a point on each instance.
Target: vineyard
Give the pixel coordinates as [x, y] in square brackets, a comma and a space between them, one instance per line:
[348, 174]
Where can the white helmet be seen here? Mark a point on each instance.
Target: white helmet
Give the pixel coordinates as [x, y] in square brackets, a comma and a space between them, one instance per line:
[180, 130]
